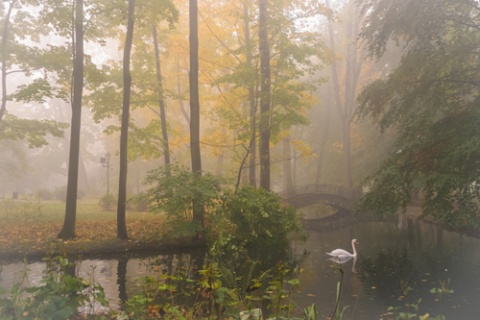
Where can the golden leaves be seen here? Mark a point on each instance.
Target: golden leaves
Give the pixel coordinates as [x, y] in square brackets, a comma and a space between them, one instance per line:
[19, 237]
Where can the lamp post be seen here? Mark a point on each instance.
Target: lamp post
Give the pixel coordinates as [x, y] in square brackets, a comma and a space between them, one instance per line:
[105, 161]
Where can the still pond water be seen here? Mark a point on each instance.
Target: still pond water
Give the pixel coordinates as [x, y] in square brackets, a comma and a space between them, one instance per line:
[391, 257]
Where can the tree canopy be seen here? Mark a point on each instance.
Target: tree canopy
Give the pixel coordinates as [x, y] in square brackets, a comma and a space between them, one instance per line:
[423, 62]
[431, 100]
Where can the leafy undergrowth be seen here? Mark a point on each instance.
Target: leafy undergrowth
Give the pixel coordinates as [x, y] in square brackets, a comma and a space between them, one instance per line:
[32, 229]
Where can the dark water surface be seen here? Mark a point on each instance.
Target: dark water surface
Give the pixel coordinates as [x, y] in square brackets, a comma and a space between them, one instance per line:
[393, 259]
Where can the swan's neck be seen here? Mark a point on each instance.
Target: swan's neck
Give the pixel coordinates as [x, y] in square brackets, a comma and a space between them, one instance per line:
[353, 248]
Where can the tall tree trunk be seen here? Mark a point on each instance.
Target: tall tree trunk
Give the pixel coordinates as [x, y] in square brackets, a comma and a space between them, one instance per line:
[346, 108]
[127, 86]
[242, 165]
[4, 57]
[180, 95]
[294, 168]
[251, 99]
[264, 51]
[349, 96]
[220, 158]
[323, 141]
[161, 101]
[195, 105]
[347, 155]
[68, 231]
[287, 165]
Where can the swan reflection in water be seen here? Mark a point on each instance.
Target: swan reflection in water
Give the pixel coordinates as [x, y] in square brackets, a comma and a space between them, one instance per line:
[344, 259]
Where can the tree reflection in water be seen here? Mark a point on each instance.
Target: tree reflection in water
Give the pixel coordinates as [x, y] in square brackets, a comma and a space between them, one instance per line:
[388, 270]
[122, 279]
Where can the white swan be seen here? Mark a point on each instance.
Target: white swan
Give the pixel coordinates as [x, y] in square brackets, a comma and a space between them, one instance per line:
[343, 254]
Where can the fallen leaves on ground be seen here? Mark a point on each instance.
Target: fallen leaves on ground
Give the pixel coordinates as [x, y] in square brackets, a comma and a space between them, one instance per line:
[38, 236]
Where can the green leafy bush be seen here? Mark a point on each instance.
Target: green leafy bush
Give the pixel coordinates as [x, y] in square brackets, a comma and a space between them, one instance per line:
[251, 218]
[209, 295]
[259, 218]
[175, 189]
[108, 202]
[139, 202]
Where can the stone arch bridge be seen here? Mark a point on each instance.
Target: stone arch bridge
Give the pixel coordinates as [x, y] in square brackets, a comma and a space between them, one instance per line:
[336, 196]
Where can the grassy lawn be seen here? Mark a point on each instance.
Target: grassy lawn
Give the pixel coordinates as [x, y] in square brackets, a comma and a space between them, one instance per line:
[29, 226]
